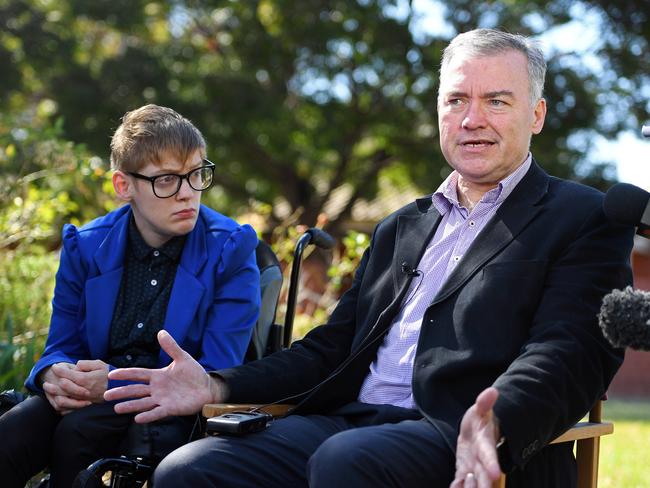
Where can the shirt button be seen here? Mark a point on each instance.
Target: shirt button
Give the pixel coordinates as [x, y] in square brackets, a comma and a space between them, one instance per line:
[129, 357]
[156, 253]
[431, 321]
[456, 259]
[154, 282]
[472, 223]
[140, 325]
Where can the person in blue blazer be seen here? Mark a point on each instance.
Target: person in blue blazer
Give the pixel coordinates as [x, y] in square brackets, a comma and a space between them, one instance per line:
[162, 261]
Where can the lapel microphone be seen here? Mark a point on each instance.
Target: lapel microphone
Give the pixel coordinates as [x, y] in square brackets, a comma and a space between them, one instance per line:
[408, 271]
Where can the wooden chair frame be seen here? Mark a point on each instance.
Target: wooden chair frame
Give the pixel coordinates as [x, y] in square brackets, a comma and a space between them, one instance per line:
[586, 434]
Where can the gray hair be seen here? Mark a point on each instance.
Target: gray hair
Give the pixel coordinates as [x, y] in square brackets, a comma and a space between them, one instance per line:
[488, 42]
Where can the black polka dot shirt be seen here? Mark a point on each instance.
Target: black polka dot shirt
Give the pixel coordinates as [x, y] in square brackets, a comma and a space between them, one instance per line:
[142, 300]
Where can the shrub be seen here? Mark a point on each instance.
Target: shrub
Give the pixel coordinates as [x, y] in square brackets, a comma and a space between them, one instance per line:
[26, 286]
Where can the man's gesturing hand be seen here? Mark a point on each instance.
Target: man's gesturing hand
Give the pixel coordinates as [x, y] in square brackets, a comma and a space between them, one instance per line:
[477, 464]
[182, 388]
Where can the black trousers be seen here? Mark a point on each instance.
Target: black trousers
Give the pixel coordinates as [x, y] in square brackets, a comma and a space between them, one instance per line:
[357, 446]
[34, 436]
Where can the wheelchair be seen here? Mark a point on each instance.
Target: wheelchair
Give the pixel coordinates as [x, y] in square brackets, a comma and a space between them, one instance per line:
[144, 451]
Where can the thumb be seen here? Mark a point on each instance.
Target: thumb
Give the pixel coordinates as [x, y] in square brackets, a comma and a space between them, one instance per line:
[170, 346]
[486, 400]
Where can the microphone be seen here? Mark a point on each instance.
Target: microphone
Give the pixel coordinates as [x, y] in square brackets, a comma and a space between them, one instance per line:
[408, 271]
[628, 205]
[625, 318]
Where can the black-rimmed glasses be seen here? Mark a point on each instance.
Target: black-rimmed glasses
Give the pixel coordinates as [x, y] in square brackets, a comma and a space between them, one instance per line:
[168, 185]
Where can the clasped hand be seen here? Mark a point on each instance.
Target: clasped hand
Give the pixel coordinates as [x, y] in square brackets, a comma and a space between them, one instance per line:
[71, 386]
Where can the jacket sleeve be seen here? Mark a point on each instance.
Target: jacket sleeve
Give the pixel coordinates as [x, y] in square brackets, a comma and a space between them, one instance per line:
[235, 305]
[566, 364]
[64, 341]
[307, 362]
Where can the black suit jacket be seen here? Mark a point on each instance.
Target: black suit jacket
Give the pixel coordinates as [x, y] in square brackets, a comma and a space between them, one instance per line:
[519, 312]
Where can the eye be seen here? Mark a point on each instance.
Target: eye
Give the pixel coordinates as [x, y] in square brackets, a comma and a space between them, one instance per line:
[166, 180]
[495, 102]
[454, 102]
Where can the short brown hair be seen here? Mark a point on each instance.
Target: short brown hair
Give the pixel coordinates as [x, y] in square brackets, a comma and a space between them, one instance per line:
[149, 131]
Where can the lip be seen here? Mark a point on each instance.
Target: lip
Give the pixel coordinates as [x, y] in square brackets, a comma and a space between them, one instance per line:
[476, 145]
[185, 213]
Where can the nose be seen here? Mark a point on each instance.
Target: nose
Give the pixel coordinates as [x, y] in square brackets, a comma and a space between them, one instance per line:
[185, 191]
[474, 117]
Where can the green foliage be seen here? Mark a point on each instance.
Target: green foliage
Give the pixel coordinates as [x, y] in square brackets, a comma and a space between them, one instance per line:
[26, 286]
[300, 99]
[16, 359]
[45, 182]
[624, 457]
[345, 260]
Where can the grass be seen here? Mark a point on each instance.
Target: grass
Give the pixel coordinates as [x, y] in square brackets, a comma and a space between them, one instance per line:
[624, 455]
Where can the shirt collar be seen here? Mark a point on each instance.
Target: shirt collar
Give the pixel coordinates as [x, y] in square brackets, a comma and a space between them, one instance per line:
[172, 249]
[446, 195]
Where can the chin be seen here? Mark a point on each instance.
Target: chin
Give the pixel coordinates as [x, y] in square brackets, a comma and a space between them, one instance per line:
[183, 228]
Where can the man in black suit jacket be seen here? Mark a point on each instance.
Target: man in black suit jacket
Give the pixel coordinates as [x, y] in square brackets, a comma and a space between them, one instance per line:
[509, 334]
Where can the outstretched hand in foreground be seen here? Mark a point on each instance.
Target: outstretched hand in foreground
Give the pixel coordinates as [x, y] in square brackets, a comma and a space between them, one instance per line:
[181, 388]
[477, 463]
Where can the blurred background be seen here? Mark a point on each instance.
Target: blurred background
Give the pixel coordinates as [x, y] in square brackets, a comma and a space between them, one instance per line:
[315, 112]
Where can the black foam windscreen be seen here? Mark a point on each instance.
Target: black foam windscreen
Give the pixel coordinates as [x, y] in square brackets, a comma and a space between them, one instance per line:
[625, 204]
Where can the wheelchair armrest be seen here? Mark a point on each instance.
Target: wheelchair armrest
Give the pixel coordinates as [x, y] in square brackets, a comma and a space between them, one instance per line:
[215, 409]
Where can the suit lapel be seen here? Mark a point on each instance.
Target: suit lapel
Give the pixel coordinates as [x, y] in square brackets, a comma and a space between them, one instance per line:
[513, 215]
[102, 290]
[413, 234]
[187, 291]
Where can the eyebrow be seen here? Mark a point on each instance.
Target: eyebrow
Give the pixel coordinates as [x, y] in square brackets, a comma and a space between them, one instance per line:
[498, 94]
[165, 171]
[492, 94]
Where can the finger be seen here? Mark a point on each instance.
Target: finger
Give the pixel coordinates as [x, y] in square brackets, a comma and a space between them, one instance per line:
[470, 481]
[486, 400]
[135, 406]
[131, 374]
[483, 480]
[157, 413]
[67, 403]
[457, 483]
[66, 388]
[91, 365]
[170, 346]
[68, 373]
[73, 389]
[127, 391]
[489, 459]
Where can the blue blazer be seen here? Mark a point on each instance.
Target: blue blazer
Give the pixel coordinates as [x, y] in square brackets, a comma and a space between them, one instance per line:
[213, 305]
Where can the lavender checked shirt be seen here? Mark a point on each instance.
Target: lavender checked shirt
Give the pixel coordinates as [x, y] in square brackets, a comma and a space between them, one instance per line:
[390, 376]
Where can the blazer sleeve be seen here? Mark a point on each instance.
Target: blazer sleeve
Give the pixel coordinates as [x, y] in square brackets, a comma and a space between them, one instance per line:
[307, 362]
[65, 342]
[566, 364]
[235, 303]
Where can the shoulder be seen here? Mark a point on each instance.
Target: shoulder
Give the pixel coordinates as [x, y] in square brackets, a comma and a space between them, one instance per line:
[566, 195]
[91, 235]
[415, 208]
[221, 232]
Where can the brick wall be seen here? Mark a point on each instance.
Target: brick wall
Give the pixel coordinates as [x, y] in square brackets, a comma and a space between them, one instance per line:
[633, 379]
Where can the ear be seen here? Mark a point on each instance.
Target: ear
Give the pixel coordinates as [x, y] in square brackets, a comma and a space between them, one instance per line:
[539, 115]
[122, 185]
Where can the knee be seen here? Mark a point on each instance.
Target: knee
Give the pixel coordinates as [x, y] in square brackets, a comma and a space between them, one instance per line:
[343, 456]
[179, 468]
